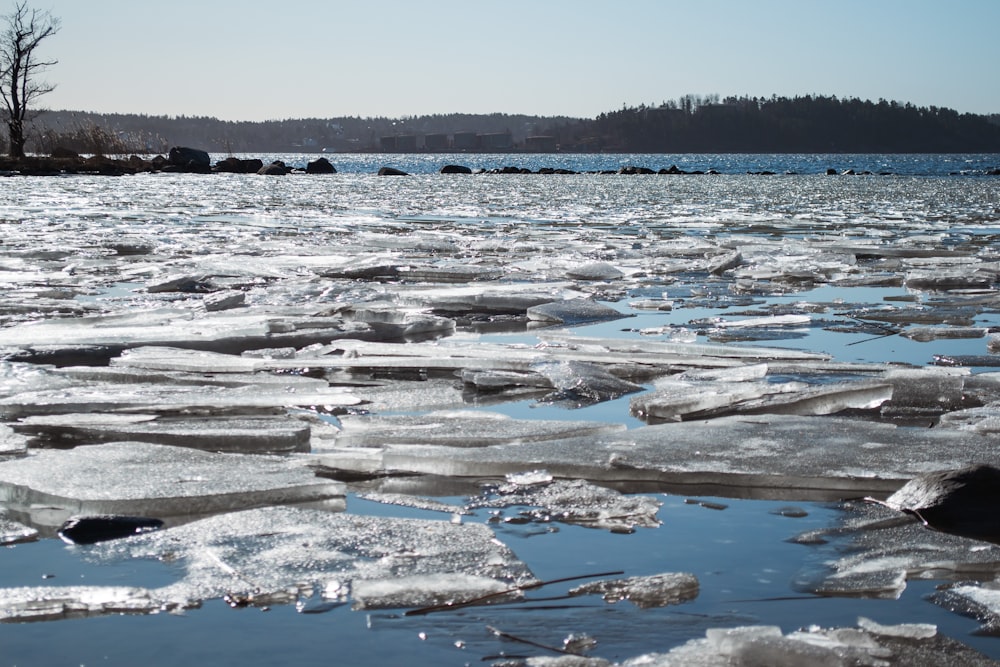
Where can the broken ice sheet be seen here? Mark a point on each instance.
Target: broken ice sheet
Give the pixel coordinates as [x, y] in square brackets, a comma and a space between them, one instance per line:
[141, 397]
[578, 383]
[141, 479]
[658, 590]
[275, 551]
[571, 501]
[766, 456]
[12, 532]
[51, 603]
[265, 434]
[868, 644]
[460, 428]
[874, 551]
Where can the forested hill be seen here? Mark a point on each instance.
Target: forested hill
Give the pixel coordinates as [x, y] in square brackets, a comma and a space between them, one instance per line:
[795, 125]
[692, 124]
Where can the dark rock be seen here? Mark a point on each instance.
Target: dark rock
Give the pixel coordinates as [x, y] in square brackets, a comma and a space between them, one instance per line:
[61, 152]
[831, 172]
[276, 168]
[189, 158]
[235, 165]
[320, 166]
[961, 502]
[389, 171]
[93, 529]
[455, 169]
[674, 169]
[635, 170]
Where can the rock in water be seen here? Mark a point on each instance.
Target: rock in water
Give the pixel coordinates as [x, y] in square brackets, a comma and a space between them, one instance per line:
[962, 502]
[93, 529]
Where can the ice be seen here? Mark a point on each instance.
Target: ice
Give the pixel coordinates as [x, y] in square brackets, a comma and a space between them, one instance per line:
[460, 428]
[583, 383]
[113, 397]
[925, 391]
[781, 456]
[864, 645]
[158, 481]
[571, 501]
[571, 311]
[594, 271]
[977, 600]
[875, 551]
[12, 445]
[927, 334]
[427, 590]
[49, 603]
[12, 532]
[658, 590]
[904, 630]
[263, 434]
[281, 553]
[227, 331]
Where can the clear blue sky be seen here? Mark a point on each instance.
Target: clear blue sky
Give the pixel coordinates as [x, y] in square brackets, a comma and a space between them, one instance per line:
[268, 59]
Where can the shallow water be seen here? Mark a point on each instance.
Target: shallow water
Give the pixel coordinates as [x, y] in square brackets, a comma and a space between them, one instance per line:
[64, 233]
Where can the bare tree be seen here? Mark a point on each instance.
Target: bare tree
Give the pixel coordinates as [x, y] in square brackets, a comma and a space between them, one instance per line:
[24, 31]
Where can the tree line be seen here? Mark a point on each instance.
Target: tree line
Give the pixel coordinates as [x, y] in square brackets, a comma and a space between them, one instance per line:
[803, 124]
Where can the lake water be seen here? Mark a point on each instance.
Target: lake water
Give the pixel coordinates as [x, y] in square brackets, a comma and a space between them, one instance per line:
[58, 234]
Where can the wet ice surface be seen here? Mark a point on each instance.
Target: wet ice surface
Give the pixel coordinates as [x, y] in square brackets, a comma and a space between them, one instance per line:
[205, 346]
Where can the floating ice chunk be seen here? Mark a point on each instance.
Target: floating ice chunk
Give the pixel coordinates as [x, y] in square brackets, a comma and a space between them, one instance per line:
[575, 502]
[12, 445]
[925, 390]
[873, 551]
[926, 334]
[733, 374]
[529, 478]
[12, 532]
[460, 428]
[582, 383]
[96, 397]
[821, 399]
[50, 603]
[231, 331]
[979, 601]
[721, 263]
[772, 321]
[264, 434]
[427, 590]
[276, 550]
[772, 454]
[224, 300]
[904, 630]
[141, 479]
[572, 311]
[594, 271]
[658, 590]
[407, 500]
[943, 280]
[675, 399]
[515, 298]
[837, 647]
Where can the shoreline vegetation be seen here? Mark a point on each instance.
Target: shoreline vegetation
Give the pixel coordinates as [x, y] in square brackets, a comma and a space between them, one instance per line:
[690, 124]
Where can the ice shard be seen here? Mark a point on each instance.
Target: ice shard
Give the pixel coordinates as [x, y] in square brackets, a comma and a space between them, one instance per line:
[658, 590]
[571, 501]
[281, 553]
[157, 481]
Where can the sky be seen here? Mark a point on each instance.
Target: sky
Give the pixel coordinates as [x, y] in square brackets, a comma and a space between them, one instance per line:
[269, 60]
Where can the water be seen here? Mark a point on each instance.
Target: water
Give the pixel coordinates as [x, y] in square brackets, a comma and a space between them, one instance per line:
[64, 233]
